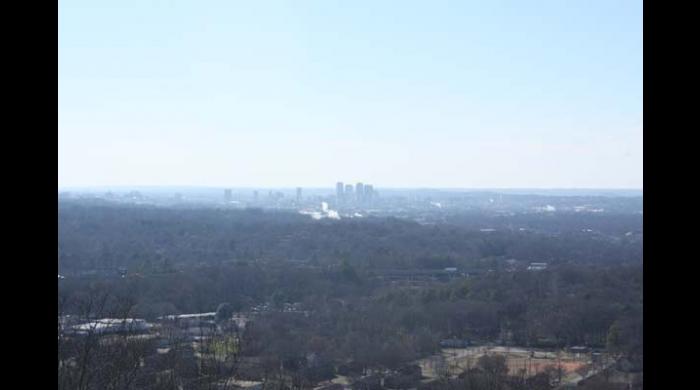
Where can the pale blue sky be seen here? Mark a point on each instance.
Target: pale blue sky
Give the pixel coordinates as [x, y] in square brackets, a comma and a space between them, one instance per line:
[487, 94]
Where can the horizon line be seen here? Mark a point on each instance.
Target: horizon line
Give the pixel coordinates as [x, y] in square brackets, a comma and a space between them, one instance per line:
[332, 187]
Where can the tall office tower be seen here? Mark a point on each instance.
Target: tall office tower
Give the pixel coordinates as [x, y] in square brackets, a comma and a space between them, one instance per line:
[255, 195]
[369, 192]
[348, 192]
[298, 195]
[339, 191]
[359, 192]
[227, 195]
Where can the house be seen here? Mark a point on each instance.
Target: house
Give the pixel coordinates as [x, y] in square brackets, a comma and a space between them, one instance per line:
[200, 332]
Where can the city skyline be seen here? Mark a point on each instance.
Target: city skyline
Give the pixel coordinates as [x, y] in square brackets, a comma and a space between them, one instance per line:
[332, 190]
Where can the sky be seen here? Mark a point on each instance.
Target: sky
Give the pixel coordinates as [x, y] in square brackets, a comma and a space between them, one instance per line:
[446, 94]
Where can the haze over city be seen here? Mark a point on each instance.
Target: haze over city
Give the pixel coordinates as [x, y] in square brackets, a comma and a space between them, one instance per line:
[400, 94]
[350, 195]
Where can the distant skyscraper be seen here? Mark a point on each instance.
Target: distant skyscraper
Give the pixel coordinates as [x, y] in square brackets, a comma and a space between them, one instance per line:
[369, 192]
[359, 192]
[339, 191]
[348, 192]
[298, 195]
[227, 195]
[255, 195]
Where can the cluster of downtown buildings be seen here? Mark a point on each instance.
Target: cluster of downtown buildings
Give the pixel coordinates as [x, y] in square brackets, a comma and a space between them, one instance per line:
[345, 194]
[362, 193]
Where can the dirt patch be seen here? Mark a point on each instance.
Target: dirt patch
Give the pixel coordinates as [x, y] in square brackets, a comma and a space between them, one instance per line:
[451, 362]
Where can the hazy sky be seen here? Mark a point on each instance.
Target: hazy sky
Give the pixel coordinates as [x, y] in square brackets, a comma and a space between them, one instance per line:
[395, 93]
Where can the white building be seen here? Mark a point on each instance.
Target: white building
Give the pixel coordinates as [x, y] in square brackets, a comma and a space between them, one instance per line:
[537, 266]
[112, 325]
[186, 320]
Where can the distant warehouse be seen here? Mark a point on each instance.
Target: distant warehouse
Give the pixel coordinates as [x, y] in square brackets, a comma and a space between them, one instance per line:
[190, 319]
[537, 267]
[111, 326]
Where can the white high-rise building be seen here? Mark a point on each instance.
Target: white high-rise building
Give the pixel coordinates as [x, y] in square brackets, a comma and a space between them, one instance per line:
[359, 192]
[348, 192]
[369, 192]
[339, 191]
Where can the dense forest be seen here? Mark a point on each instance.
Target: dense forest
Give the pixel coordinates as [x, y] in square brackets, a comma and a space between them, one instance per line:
[352, 310]
[144, 238]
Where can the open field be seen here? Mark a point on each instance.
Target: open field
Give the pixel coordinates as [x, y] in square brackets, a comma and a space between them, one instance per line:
[452, 362]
